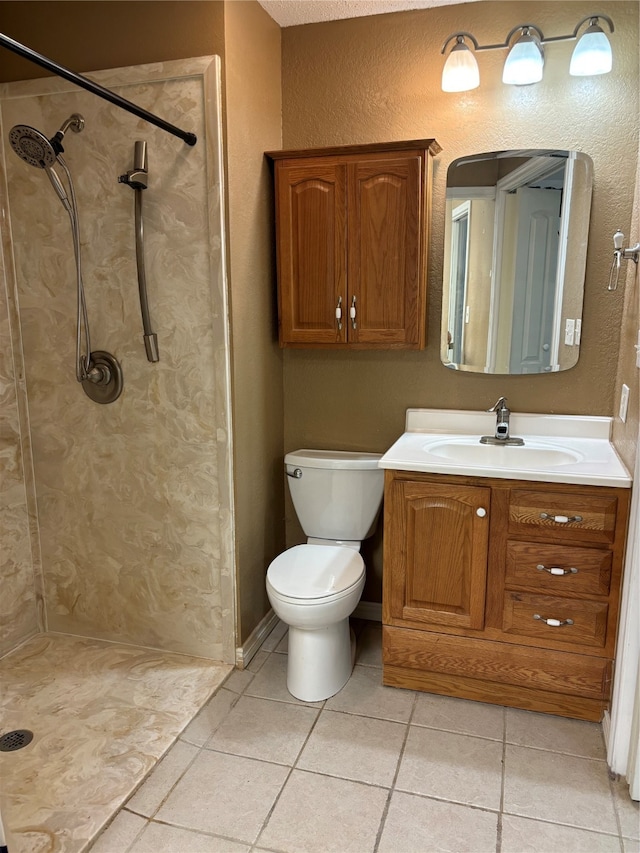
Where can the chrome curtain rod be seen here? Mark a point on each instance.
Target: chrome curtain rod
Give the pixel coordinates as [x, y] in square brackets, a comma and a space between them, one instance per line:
[95, 88]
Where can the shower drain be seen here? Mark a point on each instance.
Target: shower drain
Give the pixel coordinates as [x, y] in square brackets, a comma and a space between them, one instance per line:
[16, 739]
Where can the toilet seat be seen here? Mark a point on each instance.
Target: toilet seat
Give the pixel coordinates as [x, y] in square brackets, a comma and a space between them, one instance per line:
[311, 573]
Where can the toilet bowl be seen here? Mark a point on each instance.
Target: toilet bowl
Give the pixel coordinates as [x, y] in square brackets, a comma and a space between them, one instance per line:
[314, 588]
[317, 609]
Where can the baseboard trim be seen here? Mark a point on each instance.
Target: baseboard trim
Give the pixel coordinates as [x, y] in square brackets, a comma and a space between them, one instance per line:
[246, 652]
[370, 610]
[606, 728]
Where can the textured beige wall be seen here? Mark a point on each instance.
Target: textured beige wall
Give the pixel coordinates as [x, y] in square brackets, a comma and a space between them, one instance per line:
[377, 79]
[252, 44]
[86, 35]
[625, 435]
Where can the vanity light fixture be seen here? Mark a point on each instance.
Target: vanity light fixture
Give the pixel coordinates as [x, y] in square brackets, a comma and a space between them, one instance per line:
[525, 60]
[592, 54]
[460, 72]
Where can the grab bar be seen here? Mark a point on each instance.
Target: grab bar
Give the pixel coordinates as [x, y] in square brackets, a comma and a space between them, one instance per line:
[136, 178]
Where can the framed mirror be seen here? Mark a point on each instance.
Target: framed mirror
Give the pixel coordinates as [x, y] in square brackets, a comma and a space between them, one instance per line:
[516, 234]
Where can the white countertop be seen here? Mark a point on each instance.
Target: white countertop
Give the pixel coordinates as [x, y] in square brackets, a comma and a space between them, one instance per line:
[583, 441]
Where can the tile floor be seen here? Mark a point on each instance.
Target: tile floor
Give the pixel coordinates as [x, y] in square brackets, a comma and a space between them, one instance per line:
[373, 769]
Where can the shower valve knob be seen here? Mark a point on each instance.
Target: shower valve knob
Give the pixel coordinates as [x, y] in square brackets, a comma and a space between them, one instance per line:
[100, 375]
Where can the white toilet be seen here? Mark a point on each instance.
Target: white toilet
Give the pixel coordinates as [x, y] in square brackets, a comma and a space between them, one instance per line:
[314, 588]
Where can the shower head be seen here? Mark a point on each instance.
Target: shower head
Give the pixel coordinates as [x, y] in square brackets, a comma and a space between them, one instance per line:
[35, 149]
[32, 146]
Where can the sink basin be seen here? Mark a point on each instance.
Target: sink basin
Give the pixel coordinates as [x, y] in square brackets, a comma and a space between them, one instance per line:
[533, 455]
[557, 448]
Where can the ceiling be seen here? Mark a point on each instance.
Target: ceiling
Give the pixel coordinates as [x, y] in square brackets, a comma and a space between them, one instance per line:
[290, 13]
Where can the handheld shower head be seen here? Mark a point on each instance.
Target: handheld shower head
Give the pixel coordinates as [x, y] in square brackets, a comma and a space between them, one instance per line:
[56, 183]
[35, 149]
[32, 146]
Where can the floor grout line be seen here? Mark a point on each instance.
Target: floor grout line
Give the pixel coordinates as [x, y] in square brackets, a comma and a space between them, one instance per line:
[171, 789]
[616, 812]
[392, 789]
[289, 774]
[502, 782]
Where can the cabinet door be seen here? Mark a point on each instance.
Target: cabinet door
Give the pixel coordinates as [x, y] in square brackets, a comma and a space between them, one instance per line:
[385, 272]
[435, 554]
[311, 205]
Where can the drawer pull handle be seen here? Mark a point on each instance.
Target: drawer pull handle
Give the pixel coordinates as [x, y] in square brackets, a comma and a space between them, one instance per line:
[339, 313]
[556, 570]
[560, 519]
[554, 623]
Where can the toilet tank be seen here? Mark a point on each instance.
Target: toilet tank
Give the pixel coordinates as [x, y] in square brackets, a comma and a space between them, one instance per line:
[338, 494]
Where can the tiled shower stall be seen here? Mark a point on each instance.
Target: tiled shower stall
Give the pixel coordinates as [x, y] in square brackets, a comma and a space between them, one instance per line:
[121, 511]
[116, 518]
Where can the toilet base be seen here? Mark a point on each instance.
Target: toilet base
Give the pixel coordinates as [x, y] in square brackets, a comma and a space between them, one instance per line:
[320, 662]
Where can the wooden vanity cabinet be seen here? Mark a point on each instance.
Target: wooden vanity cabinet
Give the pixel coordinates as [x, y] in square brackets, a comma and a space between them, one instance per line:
[352, 232]
[503, 591]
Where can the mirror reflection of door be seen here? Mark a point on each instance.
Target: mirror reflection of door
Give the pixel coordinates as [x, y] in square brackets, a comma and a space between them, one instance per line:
[511, 292]
[536, 261]
[459, 276]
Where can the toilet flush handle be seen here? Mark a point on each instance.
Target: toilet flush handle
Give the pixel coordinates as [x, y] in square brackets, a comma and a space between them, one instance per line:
[296, 473]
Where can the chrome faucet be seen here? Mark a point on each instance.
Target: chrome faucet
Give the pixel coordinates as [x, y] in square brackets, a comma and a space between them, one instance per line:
[502, 426]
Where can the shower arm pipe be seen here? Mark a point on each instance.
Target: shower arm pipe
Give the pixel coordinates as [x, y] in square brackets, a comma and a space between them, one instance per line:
[102, 92]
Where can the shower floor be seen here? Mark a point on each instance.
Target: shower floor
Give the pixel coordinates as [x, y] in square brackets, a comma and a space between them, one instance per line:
[102, 715]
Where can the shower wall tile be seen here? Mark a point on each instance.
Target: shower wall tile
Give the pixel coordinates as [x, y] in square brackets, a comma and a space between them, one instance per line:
[134, 503]
[20, 602]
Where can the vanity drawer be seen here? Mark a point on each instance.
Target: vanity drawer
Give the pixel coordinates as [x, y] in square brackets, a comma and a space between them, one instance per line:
[558, 569]
[524, 615]
[562, 515]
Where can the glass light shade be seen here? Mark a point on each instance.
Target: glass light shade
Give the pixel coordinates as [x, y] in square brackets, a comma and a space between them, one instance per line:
[592, 54]
[525, 62]
[460, 72]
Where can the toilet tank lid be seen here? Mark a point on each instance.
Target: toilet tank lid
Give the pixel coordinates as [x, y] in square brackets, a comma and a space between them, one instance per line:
[332, 459]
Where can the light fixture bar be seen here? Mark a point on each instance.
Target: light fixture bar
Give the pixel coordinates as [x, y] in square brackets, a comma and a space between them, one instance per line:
[525, 61]
[543, 39]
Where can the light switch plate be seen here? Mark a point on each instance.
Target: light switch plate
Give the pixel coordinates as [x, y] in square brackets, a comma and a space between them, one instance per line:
[624, 403]
[569, 330]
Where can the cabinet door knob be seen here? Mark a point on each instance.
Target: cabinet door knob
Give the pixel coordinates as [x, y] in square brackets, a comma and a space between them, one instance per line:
[352, 313]
[556, 570]
[554, 623]
[339, 313]
[481, 511]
